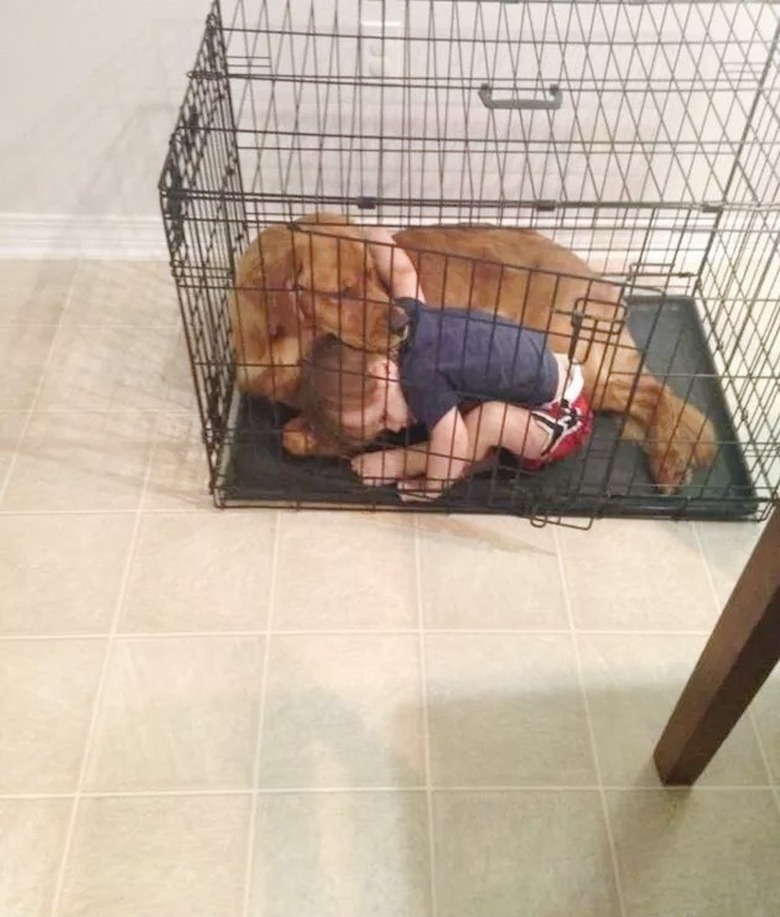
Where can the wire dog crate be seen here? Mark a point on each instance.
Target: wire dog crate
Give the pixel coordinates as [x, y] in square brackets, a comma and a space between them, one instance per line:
[642, 136]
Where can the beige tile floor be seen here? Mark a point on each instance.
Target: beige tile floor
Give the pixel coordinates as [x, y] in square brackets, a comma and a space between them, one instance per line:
[264, 714]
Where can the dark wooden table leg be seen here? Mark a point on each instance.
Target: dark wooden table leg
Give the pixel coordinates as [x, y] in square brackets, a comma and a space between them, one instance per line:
[738, 657]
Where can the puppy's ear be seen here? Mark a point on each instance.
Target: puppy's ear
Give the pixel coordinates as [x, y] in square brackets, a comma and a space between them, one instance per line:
[318, 261]
[356, 264]
[269, 267]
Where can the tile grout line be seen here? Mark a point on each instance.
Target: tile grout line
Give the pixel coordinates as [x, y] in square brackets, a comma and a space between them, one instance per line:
[343, 632]
[153, 452]
[425, 720]
[589, 723]
[110, 511]
[107, 511]
[179, 412]
[346, 789]
[58, 327]
[750, 717]
[252, 832]
[773, 787]
[707, 569]
[65, 326]
[111, 326]
[30, 324]
[90, 736]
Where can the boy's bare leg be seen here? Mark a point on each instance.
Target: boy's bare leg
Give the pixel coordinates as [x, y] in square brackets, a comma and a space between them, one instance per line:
[497, 424]
[490, 426]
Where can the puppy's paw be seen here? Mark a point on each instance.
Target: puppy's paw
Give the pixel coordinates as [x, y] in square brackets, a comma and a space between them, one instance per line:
[693, 445]
[298, 438]
[673, 467]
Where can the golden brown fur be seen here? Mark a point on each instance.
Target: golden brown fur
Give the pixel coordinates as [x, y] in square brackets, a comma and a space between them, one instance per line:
[458, 266]
[295, 282]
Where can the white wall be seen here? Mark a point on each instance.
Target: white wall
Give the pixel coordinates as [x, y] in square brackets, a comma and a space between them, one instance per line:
[88, 94]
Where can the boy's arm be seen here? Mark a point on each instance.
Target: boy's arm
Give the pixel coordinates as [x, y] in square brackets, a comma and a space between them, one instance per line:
[389, 466]
[394, 265]
[448, 457]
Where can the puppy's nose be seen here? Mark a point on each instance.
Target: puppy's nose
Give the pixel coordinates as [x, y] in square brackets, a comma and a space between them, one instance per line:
[398, 320]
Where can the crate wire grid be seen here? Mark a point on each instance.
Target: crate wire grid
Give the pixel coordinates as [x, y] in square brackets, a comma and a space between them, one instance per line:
[643, 111]
[660, 167]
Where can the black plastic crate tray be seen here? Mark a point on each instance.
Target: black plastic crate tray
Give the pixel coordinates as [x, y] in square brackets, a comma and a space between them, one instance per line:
[609, 478]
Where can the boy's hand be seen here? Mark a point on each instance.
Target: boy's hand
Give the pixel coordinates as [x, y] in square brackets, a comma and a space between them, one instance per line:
[395, 267]
[376, 469]
[417, 490]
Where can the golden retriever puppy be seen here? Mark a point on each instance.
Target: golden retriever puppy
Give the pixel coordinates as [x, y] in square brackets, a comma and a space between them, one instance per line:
[297, 283]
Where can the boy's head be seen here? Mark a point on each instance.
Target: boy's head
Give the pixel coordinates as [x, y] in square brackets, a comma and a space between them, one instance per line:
[351, 396]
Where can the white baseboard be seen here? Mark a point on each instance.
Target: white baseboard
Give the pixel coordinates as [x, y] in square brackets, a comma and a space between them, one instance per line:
[24, 235]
